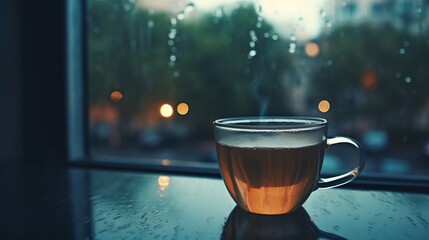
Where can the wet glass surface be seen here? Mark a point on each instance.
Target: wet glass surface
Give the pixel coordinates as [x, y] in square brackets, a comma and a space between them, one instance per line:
[41, 203]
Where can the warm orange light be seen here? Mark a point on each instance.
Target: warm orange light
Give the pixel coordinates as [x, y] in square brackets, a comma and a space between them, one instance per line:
[312, 49]
[166, 110]
[369, 80]
[163, 182]
[116, 96]
[165, 162]
[324, 106]
[182, 108]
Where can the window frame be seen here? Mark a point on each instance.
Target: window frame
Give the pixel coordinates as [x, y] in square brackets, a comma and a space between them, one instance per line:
[76, 95]
[78, 132]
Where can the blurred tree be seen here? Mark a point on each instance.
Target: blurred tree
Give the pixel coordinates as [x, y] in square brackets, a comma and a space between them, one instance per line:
[219, 75]
[153, 57]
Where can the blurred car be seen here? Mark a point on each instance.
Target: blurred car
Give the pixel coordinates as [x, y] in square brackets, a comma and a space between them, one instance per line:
[395, 165]
[101, 132]
[160, 136]
[153, 137]
[375, 141]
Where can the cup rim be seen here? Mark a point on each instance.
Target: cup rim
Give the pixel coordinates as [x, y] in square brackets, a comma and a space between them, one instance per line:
[243, 122]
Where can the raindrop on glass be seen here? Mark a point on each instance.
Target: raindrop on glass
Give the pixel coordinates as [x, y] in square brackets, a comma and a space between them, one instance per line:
[406, 44]
[172, 58]
[170, 42]
[401, 51]
[186, 11]
[127, 7]
[328, 24]
[150, 24]
[173, 21]
[176, 74]
[189, 8]
[266, 35]
[322, 13]
[292, 47]
[398, 75]
[258, 8]
[292, 37]
[252, 53]
[275, 37]
[418, 9]
[258, 25]
[407, 80]
[180, 16]
[329, 62]
[252, 44]
[172, 33]
[253, 36]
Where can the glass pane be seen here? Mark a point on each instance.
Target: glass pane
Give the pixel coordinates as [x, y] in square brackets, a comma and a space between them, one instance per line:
[159, 72]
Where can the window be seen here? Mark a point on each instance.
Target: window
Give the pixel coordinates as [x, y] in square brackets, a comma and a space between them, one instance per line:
[377, 9]
[159, 72]
[348, 9]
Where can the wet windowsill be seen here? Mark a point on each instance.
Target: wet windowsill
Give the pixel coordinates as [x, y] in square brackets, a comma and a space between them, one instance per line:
[77, 203]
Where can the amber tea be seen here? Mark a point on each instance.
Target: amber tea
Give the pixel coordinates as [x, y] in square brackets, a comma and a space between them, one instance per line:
[270, 180]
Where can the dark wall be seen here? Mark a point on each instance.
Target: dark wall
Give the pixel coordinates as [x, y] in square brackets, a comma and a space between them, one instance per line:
[10, 81]
[33, 81]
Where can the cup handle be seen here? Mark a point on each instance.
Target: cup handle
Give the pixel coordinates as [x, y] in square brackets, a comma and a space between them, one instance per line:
[336, 181]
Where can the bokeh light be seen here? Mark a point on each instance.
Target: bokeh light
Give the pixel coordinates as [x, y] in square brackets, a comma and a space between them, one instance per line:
[116, 96]
[182, 108]
[163, 182]
[324, 106]
[166, 110]
[165, 162]
[369, 80]
[312, 49]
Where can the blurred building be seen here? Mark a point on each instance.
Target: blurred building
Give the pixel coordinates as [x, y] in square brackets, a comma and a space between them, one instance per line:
[405, 15]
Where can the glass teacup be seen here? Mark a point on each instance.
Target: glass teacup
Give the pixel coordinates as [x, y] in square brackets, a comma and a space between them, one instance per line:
[271, 165]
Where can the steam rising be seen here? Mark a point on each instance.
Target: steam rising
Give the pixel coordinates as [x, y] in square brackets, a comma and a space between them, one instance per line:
[261, 92]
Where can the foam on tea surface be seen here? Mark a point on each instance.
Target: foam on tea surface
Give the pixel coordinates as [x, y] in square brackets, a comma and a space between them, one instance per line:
[272, 140]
